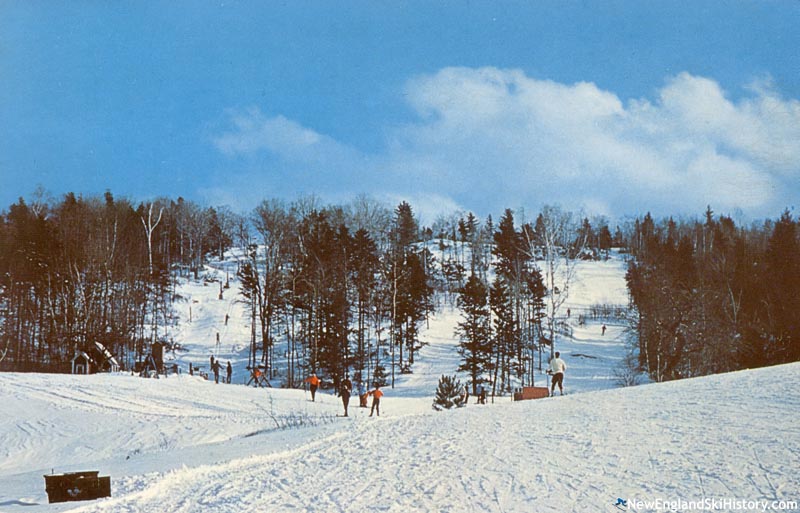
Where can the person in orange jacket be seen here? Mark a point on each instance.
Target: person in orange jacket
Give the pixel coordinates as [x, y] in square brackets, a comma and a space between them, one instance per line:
[376, 400]
[314, 381]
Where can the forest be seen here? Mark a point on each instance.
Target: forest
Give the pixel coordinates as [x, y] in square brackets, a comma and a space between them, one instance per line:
[712, 296]
[345, 289]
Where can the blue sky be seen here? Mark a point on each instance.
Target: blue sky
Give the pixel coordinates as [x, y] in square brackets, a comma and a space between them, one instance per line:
[616, 108]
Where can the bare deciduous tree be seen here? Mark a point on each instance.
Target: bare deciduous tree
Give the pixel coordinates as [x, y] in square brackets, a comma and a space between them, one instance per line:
[551, 238]
[149, 229]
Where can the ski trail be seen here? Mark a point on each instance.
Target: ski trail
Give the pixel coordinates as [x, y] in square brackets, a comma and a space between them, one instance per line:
[438, 356]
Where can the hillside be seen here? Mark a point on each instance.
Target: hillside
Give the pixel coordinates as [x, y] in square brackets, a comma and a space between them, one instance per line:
[729, 435]
[186, 444]
[202, 314]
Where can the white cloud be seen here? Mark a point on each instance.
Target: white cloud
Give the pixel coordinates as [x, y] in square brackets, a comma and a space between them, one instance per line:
[538, 141]
[254, 132]
[280, 157]
[742, 185]
[488, 138]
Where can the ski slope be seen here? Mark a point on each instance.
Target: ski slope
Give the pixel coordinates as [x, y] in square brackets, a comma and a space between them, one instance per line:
[731, 435]
[184, 444]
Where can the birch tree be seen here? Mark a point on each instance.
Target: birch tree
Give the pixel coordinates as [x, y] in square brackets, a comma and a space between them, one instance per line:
[150, 226]
[550, 238]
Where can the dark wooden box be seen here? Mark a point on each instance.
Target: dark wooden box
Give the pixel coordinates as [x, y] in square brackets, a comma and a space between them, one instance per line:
[77, 486]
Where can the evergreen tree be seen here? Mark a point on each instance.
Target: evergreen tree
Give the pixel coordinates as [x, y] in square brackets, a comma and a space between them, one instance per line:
[410, 292]
[604, 238]
[537, 293]
[449, 394]
[505, 328]
[363, 266]
[508, 248]
[783, 265]
[474, 331]
[379, 377]
[406, 228]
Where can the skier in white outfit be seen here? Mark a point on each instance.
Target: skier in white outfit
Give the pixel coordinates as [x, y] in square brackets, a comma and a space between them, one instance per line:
[556, 369]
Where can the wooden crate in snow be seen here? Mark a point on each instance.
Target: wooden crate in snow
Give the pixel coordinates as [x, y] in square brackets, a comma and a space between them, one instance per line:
[531, 393]
[77, 486]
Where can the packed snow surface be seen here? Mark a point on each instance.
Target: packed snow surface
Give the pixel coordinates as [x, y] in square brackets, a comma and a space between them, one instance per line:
[185, 444]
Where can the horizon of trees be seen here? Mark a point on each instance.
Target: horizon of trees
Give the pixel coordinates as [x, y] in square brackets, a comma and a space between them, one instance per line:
[347, 287]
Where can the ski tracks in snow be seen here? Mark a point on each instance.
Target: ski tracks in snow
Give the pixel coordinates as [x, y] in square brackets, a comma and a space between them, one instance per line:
[369, 465]
[576, 453]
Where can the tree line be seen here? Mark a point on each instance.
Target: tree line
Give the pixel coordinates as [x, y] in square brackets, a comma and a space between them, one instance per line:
[338, 289]
[713, 296]
[345, 287]
[95, 269]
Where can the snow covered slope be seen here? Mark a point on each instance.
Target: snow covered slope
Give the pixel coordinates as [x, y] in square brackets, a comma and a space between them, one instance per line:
[725, 436]
[186, 444]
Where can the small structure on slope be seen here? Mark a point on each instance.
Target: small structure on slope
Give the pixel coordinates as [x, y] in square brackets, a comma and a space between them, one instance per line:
[82, 363]
[527, 393]
[77, 486]
[96, 358]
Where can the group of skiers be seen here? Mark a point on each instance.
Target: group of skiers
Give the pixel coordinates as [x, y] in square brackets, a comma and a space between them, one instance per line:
[346, 391]
[215, 367]
[555, 369]
[480, 393]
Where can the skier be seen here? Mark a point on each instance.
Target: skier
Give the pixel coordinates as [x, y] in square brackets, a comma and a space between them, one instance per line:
[466, 394]
[362, 395]
[376, 400]
[215, 367]
[603, 329]
[230, 372]
[344, 390]
[314, 381]
[557, 368]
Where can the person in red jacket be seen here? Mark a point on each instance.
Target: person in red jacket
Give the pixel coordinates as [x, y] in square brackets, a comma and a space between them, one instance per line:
[314, 381]
[376, 400]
